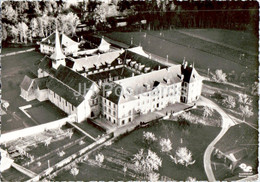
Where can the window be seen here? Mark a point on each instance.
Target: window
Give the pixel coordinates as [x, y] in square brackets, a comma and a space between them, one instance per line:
[129, 119]
[123, 121]
[114, 113]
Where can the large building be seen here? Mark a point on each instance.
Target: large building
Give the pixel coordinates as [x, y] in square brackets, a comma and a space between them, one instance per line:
[118, 86]
[68, 46]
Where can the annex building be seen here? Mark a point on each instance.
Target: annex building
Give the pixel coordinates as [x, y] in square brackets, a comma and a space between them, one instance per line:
[118, 85]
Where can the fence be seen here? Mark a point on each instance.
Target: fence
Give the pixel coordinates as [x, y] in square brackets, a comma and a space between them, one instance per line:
[67, 160]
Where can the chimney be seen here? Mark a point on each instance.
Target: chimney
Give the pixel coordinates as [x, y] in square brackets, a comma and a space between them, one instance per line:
[159, 67]
[133, 74]
[150, 56]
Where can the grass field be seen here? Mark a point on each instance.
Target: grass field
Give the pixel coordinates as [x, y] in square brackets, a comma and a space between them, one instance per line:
[13, 70]
[194, 138]
[203, 53]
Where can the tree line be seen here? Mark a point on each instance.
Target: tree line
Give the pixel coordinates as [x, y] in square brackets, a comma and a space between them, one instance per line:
[24, 20]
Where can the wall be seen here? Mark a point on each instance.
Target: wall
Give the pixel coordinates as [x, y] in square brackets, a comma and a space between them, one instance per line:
[33, 130]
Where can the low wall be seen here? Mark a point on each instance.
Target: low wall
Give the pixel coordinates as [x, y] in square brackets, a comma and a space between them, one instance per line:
[14, 135]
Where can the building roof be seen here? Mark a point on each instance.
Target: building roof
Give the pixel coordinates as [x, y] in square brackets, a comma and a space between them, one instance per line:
[65, 41]
[73, 79]
[46, 65]
[41, 82]
[58, 54]
[100, 59]
[26, 83]
[65, 91]
[238, 137]
[138, 50]
[120, 72]
[140, 59]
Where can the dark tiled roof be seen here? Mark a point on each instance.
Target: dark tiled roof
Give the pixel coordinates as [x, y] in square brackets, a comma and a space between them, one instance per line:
[46, 65]
[121, 72]
[41, 82]
[73, 79]
[115, 92]
[51, 39]
[154, 65]
[26, 83]
[237, 137]
[65, 92]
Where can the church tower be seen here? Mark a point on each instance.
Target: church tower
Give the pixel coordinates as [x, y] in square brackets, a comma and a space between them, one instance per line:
[58, 58]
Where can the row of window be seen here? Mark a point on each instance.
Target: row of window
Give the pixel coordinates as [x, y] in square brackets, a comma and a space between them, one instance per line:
[60, 100]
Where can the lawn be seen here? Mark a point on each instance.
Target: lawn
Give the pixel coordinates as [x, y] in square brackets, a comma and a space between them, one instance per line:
[240, 39]
[45, 112]
[13, 70]
[195, 137]
[204, 54]
[12, 174]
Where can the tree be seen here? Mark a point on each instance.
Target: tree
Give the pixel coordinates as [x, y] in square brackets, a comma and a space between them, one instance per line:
[153, 177]
[183, 156]
[243, 99]
[14, 33]
[4, 31]
[208, 111]
[254, 88]
[246, 111]
[8, 13]
[220, 76]
[146, 162]
[149, 137]
[5, 105]
[74, 171]
[34, 27]
[99, 159]
[47, 142]
[191, 179]
[23, 30]
[230, 102]
[166, 145]
[104, 11]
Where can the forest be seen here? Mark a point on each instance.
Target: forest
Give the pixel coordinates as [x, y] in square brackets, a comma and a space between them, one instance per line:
[23, 21]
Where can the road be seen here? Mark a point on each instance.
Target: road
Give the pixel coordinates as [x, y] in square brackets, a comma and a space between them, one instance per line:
[227, 122]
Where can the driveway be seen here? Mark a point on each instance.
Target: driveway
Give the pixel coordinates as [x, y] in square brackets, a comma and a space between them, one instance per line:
[227, 122]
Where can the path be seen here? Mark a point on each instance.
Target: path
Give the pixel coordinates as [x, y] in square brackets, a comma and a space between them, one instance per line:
[216, 42]
[18, 52]
[82, 131]
[227, 122]
[23, 170]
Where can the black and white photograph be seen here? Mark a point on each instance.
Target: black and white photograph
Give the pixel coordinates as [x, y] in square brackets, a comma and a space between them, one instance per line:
[129, 90]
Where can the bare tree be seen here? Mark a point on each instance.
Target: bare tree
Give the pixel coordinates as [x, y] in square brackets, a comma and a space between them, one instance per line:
[191, 179]
[183, 156]
[166, 145]
[99, 158]
[220, 76]
[74, 171]
[149, 137]
[230, 102]
[246, 111]
[208, 111]
[147, 162]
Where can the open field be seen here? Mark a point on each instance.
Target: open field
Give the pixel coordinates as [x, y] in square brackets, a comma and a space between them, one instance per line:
[204, 54]
[13, 70]
[196, 138]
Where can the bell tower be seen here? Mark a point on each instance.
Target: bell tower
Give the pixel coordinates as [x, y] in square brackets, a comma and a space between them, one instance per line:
[58, 58]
